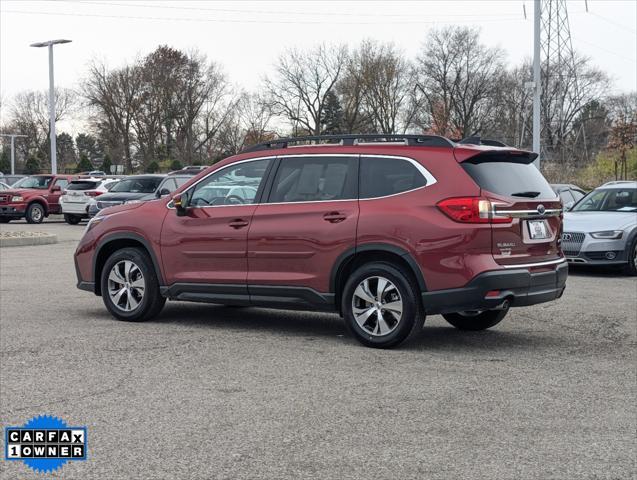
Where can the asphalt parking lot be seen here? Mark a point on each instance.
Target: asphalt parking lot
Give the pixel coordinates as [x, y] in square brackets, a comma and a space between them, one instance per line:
[213, 392]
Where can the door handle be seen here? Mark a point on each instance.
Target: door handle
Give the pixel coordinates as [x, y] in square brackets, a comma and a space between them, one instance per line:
[334, 217]
[238, 223]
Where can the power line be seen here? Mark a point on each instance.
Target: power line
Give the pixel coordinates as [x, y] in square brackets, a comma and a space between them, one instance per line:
[260, 21]
[271, 12]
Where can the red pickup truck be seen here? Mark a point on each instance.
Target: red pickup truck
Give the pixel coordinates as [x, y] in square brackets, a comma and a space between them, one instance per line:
[33, 198]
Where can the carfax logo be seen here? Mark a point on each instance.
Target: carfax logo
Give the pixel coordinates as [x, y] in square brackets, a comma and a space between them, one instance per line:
[45, 443]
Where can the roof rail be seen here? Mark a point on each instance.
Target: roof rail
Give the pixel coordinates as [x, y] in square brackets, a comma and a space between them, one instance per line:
[476, 140]
[353, 139]
[619, 182]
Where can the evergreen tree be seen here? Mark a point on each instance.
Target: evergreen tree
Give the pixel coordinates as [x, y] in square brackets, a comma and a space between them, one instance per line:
[84, 164]
[106, 164]
[5, 163]
[153, 167]
[176, 165]
[332, 118]
[32, 165]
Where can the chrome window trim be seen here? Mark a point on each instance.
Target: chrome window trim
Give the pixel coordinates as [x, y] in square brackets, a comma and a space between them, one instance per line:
[429, 178]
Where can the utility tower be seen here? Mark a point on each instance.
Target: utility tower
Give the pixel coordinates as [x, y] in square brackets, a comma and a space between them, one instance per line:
[559, 86]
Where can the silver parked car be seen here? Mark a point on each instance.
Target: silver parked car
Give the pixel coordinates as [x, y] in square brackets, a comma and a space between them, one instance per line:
[601, 229]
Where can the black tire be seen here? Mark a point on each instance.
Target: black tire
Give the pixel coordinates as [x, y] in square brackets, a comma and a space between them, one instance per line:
[151, 302]
[631, 256]
[35, 213]
[5, 219]
[72, 219]
[476, 321]
[404, 288]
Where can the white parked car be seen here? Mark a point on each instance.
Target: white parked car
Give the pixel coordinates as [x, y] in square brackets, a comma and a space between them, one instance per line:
[80, 194]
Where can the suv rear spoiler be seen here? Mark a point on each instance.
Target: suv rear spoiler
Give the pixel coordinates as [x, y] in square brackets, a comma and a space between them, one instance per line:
[493, 154]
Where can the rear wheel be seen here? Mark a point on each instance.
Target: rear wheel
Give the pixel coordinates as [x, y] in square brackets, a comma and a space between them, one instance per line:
[130, 288]
[35, 213]
[631, 256]
[72, 219]
[381, 306]
[476, 320]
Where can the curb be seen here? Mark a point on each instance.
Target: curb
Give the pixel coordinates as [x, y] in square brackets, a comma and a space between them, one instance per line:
[23, 239]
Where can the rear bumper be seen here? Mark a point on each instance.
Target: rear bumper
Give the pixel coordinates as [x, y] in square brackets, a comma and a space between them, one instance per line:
[520, 286]
[75, 208]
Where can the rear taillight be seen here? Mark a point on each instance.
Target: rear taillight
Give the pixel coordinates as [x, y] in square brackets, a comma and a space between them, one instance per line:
[470, 210]
[92, 193]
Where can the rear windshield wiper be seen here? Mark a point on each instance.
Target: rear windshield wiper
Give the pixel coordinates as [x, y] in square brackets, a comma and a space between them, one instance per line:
[525, 194]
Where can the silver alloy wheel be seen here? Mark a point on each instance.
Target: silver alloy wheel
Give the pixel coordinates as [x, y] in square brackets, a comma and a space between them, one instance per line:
[126, 285]
[635, 256]
[377, 306]
[36, 213]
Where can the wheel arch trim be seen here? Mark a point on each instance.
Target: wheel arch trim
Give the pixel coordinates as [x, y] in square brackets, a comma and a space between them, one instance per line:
[349, 254]
[113, 237]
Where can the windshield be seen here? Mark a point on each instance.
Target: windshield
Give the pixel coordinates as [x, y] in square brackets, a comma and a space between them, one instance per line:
[609, 200]
[137, 185]
[39, 182]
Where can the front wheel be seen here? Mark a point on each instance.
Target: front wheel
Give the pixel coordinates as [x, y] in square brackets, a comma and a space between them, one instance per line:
[381, 306]
[476, 320]
[130, 289]
[35, 213]
[631, 256]
[72, 219]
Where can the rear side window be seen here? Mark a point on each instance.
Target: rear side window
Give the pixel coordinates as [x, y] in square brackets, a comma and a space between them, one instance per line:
[82, 185]
[311, 179]
[510, 179]
[566, 196]
[381, 177]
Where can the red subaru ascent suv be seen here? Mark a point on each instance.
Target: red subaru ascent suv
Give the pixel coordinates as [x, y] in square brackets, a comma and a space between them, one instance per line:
[382, 229]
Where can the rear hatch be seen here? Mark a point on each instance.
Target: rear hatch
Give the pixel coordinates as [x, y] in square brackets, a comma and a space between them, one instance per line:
[526, 214]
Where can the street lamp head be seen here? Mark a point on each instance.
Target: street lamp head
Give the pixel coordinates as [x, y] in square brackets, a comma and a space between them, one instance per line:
[50, 42]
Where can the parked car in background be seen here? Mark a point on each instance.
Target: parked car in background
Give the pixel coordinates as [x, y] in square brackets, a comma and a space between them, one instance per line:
[4, 186]
[11, 179]
[602, 228]
[128, 189]
[33, 198]
[82, 193]
[382, 229]
[97, 173]
[568, 193]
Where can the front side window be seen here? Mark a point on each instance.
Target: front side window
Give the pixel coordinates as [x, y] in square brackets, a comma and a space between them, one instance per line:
[381, 177]
[233, 185]
[315, 178]
[62, 183]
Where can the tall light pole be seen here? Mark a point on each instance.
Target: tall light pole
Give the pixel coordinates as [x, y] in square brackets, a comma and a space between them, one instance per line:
[50, 43]
[12, 136]
[537, 83]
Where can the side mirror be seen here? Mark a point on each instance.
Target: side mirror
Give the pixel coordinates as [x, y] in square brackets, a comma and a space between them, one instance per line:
[569, 205]
[162, 193]
[56, 188]
[181, 204]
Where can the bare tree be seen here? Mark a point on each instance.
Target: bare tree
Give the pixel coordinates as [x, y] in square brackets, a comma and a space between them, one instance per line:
[298, 92]
[29, 115]
[457, 76]
[115, 95]
[387, 85]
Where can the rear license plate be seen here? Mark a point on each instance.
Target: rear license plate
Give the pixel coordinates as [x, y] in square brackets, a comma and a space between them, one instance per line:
[538, 229]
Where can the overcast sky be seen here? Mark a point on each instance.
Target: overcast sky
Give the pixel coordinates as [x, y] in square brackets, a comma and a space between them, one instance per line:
[246, 37]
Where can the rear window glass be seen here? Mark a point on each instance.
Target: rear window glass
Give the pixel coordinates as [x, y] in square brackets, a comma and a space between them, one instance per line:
[388, 176]
[510, 179]
[82, 185]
